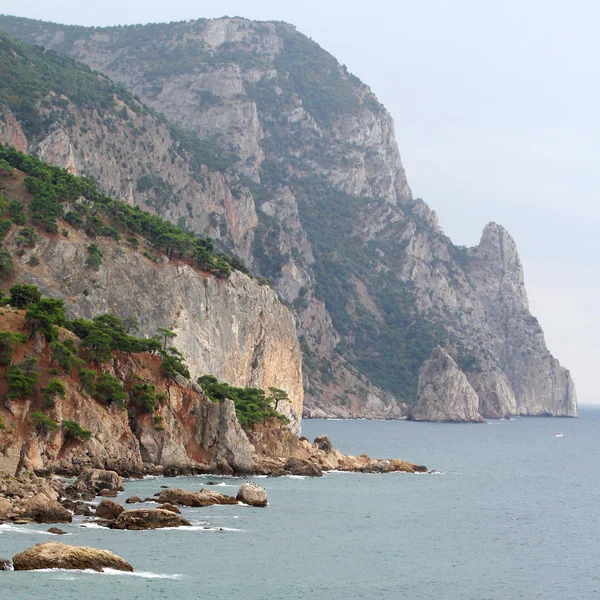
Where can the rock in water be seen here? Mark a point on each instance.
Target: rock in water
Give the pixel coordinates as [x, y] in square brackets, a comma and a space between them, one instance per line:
[43, 510]
[97, 480]
[300, 466]
[445, 393]
[57, 531]
[107, 509]
[55, 555]
[153, 518]
[5, 565]
[133, 500]
[170, 507]
[186, 498]
[252, 494]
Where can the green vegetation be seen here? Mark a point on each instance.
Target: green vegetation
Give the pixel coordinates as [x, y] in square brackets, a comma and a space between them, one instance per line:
[173, 363]
[64, 354]
[87, 379]
[21, 378]
[43, 423]
[110, 390]
[252, 405]
[7, 267]
[94, 259]
[74, 430]
[8, 343]
[22, 295]
[44, 316]
[102, 215]
[144, 395]
[55, 389]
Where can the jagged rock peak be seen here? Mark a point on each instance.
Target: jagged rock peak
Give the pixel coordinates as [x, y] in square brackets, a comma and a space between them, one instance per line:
[445, 393]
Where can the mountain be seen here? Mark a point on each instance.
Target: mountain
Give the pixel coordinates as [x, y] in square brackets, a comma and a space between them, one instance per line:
[290, 162]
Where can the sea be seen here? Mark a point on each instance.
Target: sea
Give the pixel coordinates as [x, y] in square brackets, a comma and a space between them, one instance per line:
[514, 513]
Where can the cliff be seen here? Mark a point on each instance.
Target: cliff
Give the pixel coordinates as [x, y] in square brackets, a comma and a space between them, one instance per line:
[320, 204]
[186, 431]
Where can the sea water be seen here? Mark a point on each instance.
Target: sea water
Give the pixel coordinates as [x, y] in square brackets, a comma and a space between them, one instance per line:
[513, 514]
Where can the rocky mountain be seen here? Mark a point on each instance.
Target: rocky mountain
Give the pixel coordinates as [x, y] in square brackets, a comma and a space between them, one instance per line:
[291, 163]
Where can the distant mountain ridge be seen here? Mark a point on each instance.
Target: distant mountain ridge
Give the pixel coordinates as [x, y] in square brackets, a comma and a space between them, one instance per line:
[301, 177]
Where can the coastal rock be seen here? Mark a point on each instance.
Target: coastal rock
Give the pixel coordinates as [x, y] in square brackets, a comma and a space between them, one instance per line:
[5, 565]
[96, 480]
[252, 494]
[300, 466]
[154, 518]
[5, 509]
[133, 500]
[445, 393]
[108, 510]
[186, 498]
[43, 510]
[54, 555]
[57, 531]
[170, 507]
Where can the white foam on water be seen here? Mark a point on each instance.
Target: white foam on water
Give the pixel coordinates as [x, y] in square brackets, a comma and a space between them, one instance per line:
[144, 574]
[10, 528]
[295, 476]
[92, 526]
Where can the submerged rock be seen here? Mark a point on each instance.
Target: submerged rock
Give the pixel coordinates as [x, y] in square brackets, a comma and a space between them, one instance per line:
[54, 555]
[43, 510]
[252, 494]
[153, 518]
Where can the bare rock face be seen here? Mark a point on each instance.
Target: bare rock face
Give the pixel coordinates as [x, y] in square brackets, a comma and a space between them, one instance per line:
[11, 132]
[139, 519]
[252, 494]
[445, 393]
[236, 330]
[186, 498]
[43, 510]
[54, 555]
[107, 509]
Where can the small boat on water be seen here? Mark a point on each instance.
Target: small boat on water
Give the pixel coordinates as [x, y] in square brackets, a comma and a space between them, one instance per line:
[559, 434]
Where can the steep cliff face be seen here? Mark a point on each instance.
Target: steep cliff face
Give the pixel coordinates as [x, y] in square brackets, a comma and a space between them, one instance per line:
[374, 284]
[236, 330]
[185, 431]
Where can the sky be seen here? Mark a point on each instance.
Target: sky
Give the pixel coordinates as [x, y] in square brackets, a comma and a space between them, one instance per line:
[496, 113]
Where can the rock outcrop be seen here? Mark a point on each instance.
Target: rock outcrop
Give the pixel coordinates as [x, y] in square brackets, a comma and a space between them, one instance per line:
[252, 494]
[204, 497]
[445, 393]
[141, 519]
[42, 509]
[54, 555]
[109, 510]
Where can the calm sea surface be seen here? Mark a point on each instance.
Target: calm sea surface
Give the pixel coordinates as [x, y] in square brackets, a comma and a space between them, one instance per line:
[515, 514]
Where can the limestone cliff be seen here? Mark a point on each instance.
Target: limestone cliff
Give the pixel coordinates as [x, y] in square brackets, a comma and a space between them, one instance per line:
[321, 205]
[445, 393]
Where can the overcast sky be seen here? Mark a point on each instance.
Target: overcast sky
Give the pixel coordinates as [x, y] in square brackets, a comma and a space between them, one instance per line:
[496, 106]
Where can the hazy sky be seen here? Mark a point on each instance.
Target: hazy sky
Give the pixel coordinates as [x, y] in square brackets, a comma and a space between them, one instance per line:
[497, 119]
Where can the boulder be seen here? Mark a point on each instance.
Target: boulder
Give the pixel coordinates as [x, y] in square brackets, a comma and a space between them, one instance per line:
[301, 466]
[133, 500]
[107, 509]
[323, 442]
[57, 531]
[5, 565]
[153, 518]
[108, 493]
[43, 510]
[252, 494]
[167, 506]
[5, 509]
[96, 480]
[54, 555]
[186, 498]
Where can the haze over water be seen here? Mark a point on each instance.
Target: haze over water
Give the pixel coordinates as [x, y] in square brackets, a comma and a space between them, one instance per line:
[513, 516]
